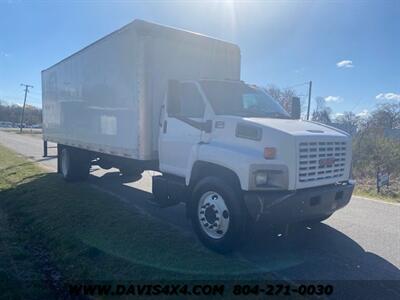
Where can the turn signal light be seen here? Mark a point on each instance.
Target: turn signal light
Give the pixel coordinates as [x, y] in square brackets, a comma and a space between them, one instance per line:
[269, 152]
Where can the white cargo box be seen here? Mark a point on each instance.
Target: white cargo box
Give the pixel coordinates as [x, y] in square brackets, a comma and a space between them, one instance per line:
[107, 97]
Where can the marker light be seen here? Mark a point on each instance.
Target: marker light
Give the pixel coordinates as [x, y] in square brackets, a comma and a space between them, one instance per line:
[269, 152]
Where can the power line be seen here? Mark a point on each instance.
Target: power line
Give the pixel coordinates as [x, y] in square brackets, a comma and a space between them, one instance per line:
[36, 93]
[296, 85]
[27, 86]
[309, 94]
[357, 104]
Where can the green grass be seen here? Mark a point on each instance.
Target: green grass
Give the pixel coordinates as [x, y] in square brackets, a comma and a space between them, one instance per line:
[36, 133]
[370, 192]
[366, 187]
[83, 234]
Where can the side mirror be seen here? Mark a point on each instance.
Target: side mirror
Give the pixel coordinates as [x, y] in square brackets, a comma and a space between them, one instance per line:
[295, 108]
[207, 126]
[173, 98]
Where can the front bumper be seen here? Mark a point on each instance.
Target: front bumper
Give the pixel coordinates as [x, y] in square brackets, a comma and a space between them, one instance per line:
[284, 207]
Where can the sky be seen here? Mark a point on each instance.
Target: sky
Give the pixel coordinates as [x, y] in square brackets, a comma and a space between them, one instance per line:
[349, 49]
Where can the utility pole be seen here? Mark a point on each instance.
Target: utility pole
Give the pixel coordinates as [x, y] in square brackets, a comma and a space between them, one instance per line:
[27, 86]
[309, 99]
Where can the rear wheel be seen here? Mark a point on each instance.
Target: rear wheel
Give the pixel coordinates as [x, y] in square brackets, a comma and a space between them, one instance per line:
[74, 164]
[218, 215]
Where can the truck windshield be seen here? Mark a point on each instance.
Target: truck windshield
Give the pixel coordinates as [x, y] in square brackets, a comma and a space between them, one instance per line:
[239, 99]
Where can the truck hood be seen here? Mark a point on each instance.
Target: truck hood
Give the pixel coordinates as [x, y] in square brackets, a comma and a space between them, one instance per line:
[297, 127]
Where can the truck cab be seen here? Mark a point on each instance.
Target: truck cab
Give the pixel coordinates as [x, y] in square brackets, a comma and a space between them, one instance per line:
[233, 154]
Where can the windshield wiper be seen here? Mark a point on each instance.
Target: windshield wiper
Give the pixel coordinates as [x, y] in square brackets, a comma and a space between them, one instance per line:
[258, 114]
[277, 115]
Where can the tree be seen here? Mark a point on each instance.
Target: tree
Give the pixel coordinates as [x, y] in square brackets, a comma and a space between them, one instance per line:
[349, 119]
[12, 113]
[372, 150]
[386, 116]
[322, 112]
[283, 96]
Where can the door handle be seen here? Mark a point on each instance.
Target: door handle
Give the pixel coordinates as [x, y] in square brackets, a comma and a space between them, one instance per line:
[160, 115]
[165, 126]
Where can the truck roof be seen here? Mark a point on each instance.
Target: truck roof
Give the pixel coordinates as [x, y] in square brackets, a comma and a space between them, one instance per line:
[149, 28]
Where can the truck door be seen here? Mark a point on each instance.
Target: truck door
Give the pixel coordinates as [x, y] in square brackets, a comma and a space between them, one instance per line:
[181, 127]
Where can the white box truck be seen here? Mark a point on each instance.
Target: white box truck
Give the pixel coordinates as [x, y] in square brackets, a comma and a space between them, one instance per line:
[151, 97]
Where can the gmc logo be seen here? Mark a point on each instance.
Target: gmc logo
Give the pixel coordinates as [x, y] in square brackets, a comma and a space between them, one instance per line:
[326, 161]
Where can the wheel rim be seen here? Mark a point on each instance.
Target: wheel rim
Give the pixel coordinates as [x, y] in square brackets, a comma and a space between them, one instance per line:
[64, 163]
[213, 215]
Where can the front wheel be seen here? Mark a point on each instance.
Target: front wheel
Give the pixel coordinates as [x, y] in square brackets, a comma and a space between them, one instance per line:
[218, 214]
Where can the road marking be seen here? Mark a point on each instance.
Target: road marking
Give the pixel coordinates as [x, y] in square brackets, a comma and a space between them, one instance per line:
[375, 200]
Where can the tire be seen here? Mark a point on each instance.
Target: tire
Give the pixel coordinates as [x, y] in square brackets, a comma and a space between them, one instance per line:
[74, 164]
[218, 214]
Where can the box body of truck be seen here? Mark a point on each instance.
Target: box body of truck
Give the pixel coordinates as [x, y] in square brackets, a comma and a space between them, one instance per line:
[108, 96]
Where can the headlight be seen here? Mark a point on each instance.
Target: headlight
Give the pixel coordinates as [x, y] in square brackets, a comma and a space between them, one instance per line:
[261, 178]
[272, 177]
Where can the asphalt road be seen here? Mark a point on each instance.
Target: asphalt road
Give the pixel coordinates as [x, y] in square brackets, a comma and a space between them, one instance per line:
[359, 242]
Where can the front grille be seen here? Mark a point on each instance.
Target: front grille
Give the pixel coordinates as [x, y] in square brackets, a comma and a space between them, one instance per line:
[321, 160]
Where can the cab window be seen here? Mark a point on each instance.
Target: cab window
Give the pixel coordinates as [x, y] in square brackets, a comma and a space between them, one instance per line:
[188, 102]
[192, 105]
